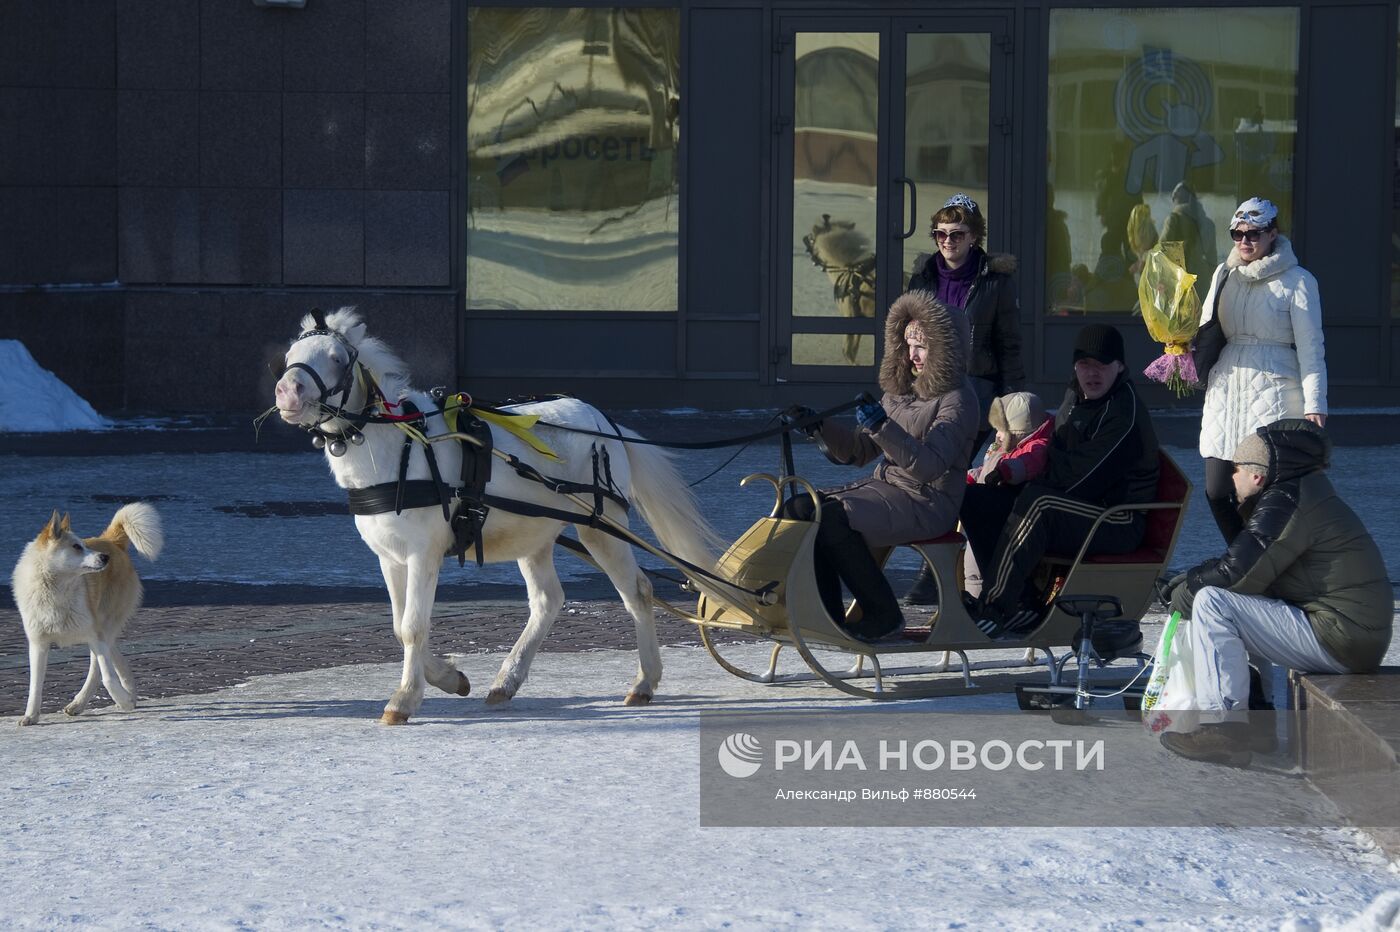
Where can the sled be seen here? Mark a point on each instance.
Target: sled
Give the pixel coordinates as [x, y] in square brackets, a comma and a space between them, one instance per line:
[1093, 600]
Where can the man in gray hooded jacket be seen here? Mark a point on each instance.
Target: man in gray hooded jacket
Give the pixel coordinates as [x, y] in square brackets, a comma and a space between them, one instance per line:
[1303, 585]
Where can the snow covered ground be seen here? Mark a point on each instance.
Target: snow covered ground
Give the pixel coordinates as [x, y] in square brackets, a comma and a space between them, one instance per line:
[282, 804]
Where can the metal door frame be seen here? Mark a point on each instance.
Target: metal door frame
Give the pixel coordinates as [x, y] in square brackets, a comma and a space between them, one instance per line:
[891, 198]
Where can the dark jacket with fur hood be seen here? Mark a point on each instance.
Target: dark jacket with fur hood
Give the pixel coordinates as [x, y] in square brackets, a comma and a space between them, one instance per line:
[926, 441]
[994, 313]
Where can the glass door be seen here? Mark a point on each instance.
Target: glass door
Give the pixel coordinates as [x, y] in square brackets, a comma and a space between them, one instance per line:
[880, 120]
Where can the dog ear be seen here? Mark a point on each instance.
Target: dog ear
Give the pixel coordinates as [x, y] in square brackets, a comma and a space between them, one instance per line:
[50, 530]
[66, 525]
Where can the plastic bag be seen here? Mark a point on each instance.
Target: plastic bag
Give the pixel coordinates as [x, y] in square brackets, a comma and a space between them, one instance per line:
[1172, 312]
[1168, 703]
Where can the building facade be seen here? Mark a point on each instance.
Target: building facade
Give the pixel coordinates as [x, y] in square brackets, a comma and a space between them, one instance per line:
[701, 203]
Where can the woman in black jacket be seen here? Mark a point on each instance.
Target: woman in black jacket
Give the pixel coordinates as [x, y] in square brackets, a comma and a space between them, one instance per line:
[963, 275]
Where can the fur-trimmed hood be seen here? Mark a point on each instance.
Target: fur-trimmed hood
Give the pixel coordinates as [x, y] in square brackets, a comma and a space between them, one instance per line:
[949, 341]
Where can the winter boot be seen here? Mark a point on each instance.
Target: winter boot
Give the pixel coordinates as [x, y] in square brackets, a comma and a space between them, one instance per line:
[1224, 743]
[925, 589]
[880, 615]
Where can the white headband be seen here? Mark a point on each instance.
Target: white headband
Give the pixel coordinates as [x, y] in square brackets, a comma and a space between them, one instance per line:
[1255, 212]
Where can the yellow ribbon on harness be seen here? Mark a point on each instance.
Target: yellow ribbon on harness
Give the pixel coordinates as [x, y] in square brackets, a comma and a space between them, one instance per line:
[521, 425]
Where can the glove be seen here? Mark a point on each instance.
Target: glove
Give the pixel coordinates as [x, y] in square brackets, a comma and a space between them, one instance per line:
[796, 413]
[1166, 585]
[870, 415]
[992, 477]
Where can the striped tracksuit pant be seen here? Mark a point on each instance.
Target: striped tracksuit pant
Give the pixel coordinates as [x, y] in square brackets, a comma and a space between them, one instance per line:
[1011, 529]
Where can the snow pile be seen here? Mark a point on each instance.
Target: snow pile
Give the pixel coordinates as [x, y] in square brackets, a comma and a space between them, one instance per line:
[283, 804]
[33, 399]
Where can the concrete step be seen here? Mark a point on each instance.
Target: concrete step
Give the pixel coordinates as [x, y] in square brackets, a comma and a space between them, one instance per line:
[1349, 746]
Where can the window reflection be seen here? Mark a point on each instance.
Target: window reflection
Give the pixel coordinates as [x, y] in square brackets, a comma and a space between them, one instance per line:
[834, 169]
[1161, 122]
[947, 94]
[572, 134]
[832, 349]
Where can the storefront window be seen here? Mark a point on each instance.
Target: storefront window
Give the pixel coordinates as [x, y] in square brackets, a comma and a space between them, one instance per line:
[1161, 122]
[572, 134]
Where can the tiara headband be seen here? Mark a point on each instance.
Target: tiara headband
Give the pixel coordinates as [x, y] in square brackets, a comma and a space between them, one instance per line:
[1255, 212]
[963, 201]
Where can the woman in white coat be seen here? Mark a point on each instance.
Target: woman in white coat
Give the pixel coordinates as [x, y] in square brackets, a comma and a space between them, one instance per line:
[1272, 364]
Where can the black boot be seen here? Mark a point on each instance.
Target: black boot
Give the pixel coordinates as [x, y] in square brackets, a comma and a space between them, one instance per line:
[925, 589]
[829, 587]
[880, 615]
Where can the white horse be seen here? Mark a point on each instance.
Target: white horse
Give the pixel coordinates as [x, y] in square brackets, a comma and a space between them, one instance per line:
[325, 376]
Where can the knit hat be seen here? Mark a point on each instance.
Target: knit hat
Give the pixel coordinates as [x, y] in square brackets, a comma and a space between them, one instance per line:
[1100, 342]
[1019, 413]
[1253, 451]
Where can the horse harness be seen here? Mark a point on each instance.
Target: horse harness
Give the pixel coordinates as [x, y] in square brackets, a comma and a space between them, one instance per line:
[464, 507]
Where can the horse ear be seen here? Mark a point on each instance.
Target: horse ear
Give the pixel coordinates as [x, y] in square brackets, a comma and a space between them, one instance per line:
[319, 317]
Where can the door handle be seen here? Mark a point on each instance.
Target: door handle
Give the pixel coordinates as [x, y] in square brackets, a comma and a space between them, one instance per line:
[913, 207]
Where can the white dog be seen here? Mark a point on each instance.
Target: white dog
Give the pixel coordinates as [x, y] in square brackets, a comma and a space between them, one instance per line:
[74, 591]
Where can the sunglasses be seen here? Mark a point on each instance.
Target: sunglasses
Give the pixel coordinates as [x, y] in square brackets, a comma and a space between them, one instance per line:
[1251, 235]
[955, 237]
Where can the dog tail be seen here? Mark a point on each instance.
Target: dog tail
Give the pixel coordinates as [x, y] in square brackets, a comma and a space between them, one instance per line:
[139, 525]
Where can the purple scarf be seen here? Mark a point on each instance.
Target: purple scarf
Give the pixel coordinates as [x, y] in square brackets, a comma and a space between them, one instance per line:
[954, 284]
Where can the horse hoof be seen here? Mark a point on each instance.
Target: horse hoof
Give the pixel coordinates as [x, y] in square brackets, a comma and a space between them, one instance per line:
[72, 709]
[393, 718]
[497, 696]
[637, 699]
[464, 686]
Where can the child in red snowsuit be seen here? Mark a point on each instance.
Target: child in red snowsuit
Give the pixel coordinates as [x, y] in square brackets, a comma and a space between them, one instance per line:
[1017, 455]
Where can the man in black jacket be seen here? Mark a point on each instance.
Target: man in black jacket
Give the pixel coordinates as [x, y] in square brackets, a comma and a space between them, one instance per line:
[1303, 585]
[1103, 453]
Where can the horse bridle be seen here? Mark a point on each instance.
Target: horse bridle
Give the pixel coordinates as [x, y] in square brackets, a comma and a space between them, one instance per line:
[346, 382]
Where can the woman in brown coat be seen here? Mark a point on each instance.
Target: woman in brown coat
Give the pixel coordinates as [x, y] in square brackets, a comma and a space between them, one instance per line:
[922, 430]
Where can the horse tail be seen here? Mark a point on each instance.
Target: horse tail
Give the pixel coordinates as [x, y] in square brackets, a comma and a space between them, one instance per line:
[138, 524]
[668, 506]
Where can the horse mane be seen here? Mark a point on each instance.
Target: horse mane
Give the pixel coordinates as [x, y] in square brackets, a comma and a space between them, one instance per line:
[387, 367]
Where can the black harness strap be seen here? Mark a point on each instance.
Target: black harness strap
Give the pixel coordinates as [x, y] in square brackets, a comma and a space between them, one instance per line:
[566, 486]
[476, 472]
[393, 496]
[797, 424]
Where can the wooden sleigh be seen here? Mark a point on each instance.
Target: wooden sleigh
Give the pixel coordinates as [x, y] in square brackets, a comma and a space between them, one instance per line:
[1087, 591]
